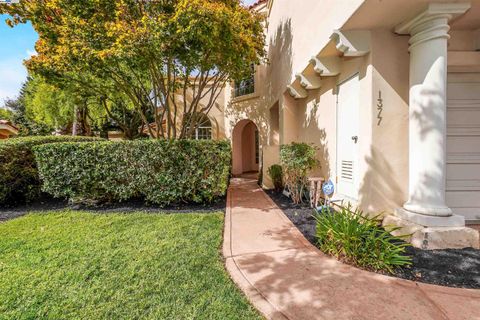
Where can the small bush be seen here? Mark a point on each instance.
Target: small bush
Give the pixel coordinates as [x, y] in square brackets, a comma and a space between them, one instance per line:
[19, 181]
[297, 159]
[359, 240]
[276, 174]
[162, 172]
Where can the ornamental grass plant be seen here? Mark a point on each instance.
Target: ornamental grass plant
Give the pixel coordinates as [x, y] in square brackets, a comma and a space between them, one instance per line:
[358, 240]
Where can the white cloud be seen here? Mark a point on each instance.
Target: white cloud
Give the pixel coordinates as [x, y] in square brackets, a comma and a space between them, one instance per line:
[12, 75]
[31, 53]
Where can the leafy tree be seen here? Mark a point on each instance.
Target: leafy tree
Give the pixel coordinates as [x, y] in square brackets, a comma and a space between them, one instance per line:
[297, 160]
[19, 115]
[122, 115]
[169, 58]
[5, 114]
[49, 105]
[65, 108]
[69, 109]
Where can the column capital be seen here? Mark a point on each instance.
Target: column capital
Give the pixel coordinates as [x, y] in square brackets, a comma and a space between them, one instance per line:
[446, 10]
[432, 23]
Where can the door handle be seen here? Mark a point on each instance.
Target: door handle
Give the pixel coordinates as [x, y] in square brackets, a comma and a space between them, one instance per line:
[355, 139]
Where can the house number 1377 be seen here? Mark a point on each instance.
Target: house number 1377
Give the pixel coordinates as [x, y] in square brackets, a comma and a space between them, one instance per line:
[379, 108]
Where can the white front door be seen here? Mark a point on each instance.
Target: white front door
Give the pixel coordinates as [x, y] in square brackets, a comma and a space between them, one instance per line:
[347, 137]
[463, 144]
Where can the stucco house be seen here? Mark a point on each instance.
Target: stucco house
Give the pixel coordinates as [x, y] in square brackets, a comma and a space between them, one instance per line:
[7, 129]
[389, 91]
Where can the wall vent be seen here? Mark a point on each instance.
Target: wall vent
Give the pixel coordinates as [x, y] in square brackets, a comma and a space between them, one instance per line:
[347, 170]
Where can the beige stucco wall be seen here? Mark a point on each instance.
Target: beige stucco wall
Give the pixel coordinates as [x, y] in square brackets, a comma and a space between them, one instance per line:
[463, 40]
[271, 156]
[385, 182]
[291, 41]
[216, 115]
[297, 32]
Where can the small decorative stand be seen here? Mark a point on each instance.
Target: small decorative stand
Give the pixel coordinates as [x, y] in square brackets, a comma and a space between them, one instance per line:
[328, 189]
[315, 190]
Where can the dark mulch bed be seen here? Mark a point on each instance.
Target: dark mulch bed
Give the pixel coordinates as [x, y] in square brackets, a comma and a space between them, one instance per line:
[451, 267]
[48, 204]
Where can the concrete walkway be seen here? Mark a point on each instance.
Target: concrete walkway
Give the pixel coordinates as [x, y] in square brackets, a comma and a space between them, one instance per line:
[286, 277]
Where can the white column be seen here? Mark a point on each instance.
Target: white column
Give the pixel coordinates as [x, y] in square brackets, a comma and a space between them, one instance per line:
[427, 120]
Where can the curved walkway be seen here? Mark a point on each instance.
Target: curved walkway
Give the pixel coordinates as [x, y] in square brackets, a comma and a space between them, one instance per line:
[286, 277]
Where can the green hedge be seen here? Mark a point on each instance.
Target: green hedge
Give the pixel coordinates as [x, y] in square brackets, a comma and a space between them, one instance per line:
[19, 181]
[162, 172]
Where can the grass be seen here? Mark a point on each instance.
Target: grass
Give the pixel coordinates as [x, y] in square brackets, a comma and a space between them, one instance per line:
[71, 265]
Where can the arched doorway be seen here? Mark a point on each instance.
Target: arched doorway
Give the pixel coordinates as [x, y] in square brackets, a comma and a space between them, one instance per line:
[246, 149]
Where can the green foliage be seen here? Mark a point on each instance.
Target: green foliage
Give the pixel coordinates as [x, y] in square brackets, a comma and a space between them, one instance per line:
[48, 105]
[5, 114]
[260, 178]
[19, 181]
[61, 105]
[276, 174]
[162, 172]
[358, 240]
[297, 159]
[80, 265]
[122, 115]
[148, 51]
[19, 117]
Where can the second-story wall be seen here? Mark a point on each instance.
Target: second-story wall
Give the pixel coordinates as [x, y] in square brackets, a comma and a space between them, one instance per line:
[296, 31]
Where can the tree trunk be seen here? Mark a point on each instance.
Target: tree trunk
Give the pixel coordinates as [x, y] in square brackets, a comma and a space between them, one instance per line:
[75, 121]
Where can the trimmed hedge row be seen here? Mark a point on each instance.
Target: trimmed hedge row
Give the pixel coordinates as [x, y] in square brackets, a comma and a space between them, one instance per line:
[19, 181]
[159, 171]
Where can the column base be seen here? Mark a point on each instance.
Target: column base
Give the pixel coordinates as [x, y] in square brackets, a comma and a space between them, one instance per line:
[432, 238]
[430, 221]
[428, 211]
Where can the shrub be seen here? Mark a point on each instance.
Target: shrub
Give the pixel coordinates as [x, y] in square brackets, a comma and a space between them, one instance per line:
[160, 171]
[276, 174]
[358, 240]
[19, 181]
[297, 159]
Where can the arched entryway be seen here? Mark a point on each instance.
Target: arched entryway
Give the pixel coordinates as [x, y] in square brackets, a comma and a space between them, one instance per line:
[246, 150]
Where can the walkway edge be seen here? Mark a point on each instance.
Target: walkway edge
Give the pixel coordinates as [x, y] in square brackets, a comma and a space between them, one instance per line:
[267, 309]
[433, 294]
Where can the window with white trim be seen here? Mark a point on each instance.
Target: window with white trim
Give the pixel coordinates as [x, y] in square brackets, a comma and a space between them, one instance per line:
[203, 129]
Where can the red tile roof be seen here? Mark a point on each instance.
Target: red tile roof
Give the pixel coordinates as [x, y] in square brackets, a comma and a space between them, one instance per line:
[257, 3]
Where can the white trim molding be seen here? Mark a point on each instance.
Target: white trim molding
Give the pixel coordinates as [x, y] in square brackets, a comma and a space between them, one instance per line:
[326, 66]
[352, 43]
[297, 93]
[309, 82]
[452, 10]
[432, 23]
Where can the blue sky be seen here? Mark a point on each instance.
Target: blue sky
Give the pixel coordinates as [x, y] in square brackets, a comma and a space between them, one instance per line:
[16, 45]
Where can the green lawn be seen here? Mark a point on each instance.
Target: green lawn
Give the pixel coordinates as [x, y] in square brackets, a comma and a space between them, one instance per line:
[72, 265]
